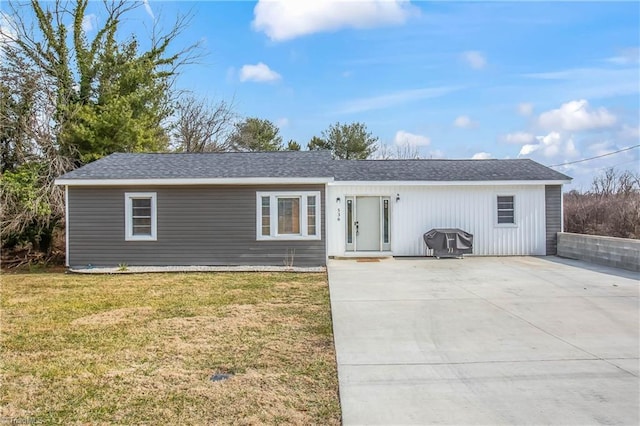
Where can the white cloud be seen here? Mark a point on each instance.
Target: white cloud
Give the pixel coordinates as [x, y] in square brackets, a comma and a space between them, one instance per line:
[464, 122]
[259, 73]
[519, 138]
[627, 56]
[89, 22]
[591, 83]
[528, 149]
[576, 116]
[406, 138]
[570, 149]
[287, 19]
[147, 8]
[601, 148]
[628, 132]
[481, 156]
[552, 145]
[474, 59]
[437, 154]
[393, 99]
[282, 122]
[525, 109]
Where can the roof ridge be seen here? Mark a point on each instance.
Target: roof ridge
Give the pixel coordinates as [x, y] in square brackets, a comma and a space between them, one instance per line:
[438, 159]
[220, 152]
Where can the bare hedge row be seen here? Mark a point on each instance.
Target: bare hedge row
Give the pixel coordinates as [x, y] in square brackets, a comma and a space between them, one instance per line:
[613, 215]
[610, 208]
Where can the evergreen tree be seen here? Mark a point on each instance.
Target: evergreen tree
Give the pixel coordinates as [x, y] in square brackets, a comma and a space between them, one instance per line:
[346, 141]
[255, 134]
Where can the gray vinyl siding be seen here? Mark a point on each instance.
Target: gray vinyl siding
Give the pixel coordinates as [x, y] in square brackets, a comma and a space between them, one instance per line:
[553, 216]
[197, 225]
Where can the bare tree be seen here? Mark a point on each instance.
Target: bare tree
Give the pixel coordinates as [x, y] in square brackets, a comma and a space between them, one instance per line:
[611, 207]
[605, 184]
[398, 152]
[202, 126]
[407, 151]
[612, 182]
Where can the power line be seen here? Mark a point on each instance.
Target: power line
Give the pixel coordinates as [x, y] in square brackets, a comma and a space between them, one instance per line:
[597, 156]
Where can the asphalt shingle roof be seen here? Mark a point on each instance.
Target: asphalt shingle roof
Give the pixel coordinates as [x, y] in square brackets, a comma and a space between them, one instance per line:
[307, 164]
[444, 170]
[287, 164]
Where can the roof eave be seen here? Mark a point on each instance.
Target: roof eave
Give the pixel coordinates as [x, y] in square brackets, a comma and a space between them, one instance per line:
[291, 181]
[450, 182]
[193, 181]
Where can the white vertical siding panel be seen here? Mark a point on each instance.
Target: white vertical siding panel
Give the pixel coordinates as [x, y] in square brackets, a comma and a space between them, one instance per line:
[472, 208]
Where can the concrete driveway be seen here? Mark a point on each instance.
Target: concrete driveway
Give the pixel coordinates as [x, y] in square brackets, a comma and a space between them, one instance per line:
[512, 340]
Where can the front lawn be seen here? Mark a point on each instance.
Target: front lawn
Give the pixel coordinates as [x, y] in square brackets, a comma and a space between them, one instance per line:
[141, 349]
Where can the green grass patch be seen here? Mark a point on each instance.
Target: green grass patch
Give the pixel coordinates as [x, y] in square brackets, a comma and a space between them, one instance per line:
[140, 349]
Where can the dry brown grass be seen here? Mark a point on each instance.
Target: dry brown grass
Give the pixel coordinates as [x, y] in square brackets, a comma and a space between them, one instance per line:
[140, 349]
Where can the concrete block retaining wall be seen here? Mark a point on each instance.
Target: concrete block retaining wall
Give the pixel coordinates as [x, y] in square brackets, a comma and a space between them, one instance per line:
[609, 251]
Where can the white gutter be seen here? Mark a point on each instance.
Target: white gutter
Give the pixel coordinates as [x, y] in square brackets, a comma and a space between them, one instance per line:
[446, 183]
[198, 181]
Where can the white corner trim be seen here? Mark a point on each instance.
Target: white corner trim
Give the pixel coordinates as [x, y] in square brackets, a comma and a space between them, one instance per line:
[128, 217]
[561, 210]
[324, 221]
[66, 226]
[203, 181]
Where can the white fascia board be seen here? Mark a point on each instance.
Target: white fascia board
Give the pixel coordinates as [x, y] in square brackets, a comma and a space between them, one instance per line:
[446, 183]
[204, 181]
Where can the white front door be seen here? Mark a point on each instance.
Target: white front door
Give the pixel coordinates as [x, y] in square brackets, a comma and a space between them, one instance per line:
[367, 223]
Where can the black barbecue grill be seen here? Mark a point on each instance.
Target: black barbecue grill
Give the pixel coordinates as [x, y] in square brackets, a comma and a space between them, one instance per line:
[449, 242]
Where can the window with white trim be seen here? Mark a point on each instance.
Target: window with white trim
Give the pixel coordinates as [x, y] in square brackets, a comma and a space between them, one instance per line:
[140, 216]
[506, 209]
[288, 215]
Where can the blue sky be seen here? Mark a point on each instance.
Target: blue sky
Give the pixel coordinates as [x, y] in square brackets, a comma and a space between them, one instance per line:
[555, 82]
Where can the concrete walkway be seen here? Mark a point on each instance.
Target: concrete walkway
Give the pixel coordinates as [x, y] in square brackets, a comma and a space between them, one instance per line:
[517, 340]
